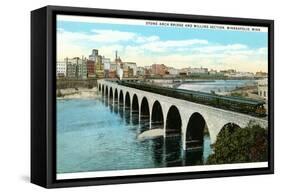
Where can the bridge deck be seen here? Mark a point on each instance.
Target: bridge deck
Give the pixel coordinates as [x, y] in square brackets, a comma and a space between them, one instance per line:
[238, 104]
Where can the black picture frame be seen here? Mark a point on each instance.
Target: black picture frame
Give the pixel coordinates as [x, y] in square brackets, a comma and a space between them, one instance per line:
[43, 95]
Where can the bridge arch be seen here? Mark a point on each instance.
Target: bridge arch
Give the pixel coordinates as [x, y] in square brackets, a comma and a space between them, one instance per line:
[173, 137]
[127, 100]
[173, 121]
[135, 109]
[127, 107]
[121, 101]
[195, 130]
[116, 96]
[110, 93]
[106, 91]
[102, 89]
[157, 118]
[144, 113]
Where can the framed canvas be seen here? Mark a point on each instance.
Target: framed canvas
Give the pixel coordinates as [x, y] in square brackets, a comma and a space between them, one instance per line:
[127, 96]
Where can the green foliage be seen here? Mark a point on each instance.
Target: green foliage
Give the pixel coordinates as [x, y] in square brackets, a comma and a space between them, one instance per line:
[238, 145]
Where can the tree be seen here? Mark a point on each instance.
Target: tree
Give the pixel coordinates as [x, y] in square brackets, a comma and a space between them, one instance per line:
[238, 145]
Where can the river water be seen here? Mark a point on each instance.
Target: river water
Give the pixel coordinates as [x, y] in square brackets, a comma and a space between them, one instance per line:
[94, 136]
[216, 85]
[91, 136]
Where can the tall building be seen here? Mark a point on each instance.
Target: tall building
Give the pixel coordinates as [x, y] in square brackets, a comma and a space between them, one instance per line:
[159, 69]
[106, 63]
[91, 69]
[94, 55]
[130, 72]
[61, 69]
[95, 64]
[76, 68]
[99, 68]
[140, 71]
[131, 65]
[70, 68]
[82, 68]
[119, 66]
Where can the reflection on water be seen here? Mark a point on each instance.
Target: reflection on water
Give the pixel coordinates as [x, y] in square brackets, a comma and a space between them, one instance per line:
[173, 151]
[95, 135]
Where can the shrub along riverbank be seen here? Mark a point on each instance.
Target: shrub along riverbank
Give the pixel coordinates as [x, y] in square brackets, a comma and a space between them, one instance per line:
[239, 145]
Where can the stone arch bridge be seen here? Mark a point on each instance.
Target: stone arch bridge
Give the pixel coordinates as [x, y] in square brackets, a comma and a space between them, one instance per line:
[174, 116]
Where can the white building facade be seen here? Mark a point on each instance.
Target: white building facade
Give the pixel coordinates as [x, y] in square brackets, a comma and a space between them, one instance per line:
[263, 88]
[61, 69]
[173, 71]
[106, 63]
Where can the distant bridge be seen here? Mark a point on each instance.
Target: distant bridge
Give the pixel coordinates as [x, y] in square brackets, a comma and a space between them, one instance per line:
[175, 116]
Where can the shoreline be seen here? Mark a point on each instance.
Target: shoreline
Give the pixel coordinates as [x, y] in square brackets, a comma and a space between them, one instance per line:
[77, 93]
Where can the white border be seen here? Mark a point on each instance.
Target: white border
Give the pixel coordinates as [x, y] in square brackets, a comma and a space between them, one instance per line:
[172, 24]
[107, 20]
[97, 174]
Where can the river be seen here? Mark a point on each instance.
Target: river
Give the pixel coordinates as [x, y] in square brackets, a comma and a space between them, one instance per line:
[93, 136]
[216, 85]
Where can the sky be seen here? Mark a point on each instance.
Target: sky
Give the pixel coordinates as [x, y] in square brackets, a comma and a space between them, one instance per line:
[176, 47]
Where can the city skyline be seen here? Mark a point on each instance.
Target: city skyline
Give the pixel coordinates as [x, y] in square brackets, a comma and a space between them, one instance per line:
[149, 66]
[174, 47]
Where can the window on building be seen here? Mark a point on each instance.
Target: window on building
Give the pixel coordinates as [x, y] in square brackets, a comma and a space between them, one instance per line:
[264, 93]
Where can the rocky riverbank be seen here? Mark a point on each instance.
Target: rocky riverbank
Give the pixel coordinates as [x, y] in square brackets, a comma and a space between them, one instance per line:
[245, 91]
[76, 93]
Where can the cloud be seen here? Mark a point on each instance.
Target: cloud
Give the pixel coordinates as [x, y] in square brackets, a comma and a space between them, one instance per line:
[163, 46]
[143, 39]
[220, 48]
[262, 51]
[111, 36]
[242, 60]
[146, 50]
[105, 36]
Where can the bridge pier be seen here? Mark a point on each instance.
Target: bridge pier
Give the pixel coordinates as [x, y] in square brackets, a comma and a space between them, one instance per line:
[150, 118]
[164, 128]
[183, 133]
[139, 113]
[131, 112]
[118, 103]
